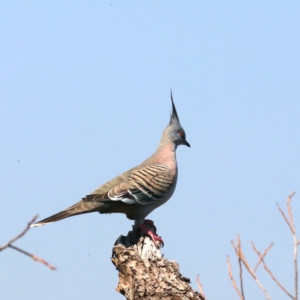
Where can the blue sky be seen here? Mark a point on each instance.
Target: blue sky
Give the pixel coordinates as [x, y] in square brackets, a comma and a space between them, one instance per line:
[85, 95]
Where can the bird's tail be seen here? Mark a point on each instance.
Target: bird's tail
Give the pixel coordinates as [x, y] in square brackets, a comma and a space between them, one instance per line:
[77, 209]
[59, 216]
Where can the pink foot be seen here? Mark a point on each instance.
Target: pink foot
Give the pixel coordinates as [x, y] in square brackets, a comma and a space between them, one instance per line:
[146, 227]
[150, 223]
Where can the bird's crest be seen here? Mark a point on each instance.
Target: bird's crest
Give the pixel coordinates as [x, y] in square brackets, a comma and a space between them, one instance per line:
[174, 117]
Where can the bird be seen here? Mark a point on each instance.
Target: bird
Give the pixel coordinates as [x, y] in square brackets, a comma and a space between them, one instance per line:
[140, 190]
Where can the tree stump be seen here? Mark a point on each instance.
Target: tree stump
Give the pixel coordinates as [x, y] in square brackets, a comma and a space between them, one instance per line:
[145, 274]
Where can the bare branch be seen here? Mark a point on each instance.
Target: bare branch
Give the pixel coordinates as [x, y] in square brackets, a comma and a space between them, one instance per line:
[285, 218]
[296, 243]
[232, 279]
[239, 252]
[200, 286]
[242, 259]
[291, 225]
[33, 257]
[9, 245]
[269, 271]
[263, 255]
[240, 266]
[289, 209]
[241, 278]
[19, 235]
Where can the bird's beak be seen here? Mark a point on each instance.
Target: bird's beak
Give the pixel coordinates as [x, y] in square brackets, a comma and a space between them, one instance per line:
[187, 143]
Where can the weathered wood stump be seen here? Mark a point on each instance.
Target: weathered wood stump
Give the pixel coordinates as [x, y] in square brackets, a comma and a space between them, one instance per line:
[145, 274]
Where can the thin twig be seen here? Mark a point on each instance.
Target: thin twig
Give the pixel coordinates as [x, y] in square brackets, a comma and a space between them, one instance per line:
[289, 209]
[242, 259]
[33, 257]
[296, 243]
[263, 255]
[240, 266]
[285, 218]
[232, 279]
[21, 234]
[9, 245]
[200, 287]
[290, 223]
[241, 278]
[269, 271]
[240, 254]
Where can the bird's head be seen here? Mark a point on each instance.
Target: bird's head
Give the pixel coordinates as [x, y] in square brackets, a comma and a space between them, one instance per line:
[174, 130]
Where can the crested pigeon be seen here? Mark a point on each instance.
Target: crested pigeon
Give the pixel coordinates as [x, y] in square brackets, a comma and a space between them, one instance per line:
[140, 190]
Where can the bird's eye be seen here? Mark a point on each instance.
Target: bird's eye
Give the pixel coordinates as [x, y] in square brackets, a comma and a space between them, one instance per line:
[180, 132]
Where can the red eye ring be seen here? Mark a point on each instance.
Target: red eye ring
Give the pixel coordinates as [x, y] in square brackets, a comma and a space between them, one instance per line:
[180, 132]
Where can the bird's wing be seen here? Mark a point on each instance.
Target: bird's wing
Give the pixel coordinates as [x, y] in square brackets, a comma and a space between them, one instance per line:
[144, 185]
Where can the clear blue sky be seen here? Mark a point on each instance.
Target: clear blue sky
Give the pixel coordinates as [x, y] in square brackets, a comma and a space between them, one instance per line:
[84, 96]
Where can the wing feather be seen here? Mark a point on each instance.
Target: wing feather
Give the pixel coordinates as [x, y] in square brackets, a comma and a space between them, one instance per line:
[144, 186]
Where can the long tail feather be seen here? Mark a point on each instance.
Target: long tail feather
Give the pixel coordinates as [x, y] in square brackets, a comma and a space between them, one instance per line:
[77, 209]
[57, 217]
[84, 207]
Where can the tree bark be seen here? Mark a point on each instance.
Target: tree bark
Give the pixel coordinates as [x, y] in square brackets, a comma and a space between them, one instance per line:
[145, 274]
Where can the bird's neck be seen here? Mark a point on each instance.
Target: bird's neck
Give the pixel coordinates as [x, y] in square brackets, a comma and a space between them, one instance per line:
[167, 146]
[166, 153]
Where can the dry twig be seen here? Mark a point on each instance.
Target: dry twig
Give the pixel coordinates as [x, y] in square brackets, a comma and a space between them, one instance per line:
[240, 267]
[290, 223]
[262, 256]
[241, 258]
[261, 259]
[200, 287]
[232, 279]
[9, 245]
[239, 252]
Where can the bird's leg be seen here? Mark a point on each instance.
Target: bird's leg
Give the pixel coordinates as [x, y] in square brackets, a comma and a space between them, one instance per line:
[150, 223]
[148, 227]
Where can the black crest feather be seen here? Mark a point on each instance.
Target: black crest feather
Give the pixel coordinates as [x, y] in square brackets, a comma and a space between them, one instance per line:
[174, 115]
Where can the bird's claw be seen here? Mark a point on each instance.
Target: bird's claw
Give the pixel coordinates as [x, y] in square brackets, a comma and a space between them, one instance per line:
[146, 228]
